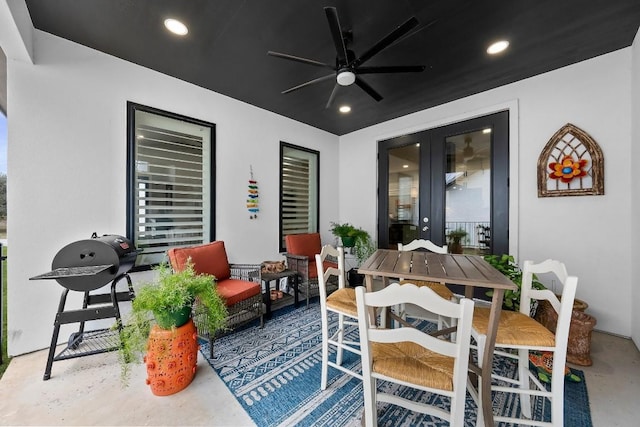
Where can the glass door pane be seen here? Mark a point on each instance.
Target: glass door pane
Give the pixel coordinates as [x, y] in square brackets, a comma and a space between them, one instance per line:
[403, 194]
[468, 192]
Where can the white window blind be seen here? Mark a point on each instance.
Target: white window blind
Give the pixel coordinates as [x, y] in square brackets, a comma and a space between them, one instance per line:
[295, 195]
[172, 185]
[299, 191]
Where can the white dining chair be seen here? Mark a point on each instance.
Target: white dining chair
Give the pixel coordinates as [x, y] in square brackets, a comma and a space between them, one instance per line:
[410, 357]
[342, 302]
[439, 288]
[518, 334]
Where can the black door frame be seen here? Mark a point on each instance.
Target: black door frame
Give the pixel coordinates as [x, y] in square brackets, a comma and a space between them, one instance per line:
[432, 186]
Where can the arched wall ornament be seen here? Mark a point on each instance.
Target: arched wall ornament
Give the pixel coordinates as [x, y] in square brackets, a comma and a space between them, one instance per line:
[571, 164]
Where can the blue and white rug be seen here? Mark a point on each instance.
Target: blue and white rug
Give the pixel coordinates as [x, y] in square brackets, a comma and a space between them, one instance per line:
[274, 373]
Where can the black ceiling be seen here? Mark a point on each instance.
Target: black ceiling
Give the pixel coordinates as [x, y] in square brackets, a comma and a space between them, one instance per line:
[226, 48]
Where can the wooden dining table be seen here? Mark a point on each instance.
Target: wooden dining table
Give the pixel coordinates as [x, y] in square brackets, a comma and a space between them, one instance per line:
[468, 270]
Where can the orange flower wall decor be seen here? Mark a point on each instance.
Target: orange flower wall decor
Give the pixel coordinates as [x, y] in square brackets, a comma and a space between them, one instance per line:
[571, 164]
[568, 169]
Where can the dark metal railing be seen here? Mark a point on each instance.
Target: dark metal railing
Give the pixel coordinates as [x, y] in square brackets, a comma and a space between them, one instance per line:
[478, 232]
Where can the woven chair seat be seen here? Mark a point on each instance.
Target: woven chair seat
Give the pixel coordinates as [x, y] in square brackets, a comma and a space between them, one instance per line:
[437, 287]
[514, 328]
[344, 300]
[410, 362]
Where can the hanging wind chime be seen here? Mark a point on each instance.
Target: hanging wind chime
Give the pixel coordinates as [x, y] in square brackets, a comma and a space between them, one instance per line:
[252, 200]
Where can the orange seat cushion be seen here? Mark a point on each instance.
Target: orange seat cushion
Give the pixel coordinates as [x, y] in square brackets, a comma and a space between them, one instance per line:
[210, 258]
[235, 290]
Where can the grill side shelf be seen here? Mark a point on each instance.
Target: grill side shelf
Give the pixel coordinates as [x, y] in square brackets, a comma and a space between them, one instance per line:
[62, 272]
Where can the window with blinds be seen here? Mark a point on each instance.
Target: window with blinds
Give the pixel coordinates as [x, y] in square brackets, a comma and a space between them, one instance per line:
[299, 196]
[170, 182]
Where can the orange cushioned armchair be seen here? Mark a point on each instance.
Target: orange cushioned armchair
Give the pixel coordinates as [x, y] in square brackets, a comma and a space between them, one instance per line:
[301, 257]
[238, 284]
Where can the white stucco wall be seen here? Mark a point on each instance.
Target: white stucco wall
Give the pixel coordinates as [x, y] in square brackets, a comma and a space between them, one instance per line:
[635, 188]
[67, 167]
[586, 232]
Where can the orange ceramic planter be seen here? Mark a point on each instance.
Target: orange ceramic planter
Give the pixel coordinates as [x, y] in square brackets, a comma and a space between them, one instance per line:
[171, 358]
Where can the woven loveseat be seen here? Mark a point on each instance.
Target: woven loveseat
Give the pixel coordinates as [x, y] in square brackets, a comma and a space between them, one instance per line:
[238, 284]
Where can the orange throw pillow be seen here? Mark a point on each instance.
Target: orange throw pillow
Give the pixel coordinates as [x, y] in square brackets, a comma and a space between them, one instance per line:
[210, 258]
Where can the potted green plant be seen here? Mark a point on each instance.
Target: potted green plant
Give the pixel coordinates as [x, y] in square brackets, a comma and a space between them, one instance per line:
[361, 242]
[455, 240]
[506, 265]
[168, 303]
[348, 234]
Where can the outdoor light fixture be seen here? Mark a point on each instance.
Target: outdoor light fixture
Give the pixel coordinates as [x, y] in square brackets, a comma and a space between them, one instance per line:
[497, 47]
[345, 109]
[346, 78]
[175, 26]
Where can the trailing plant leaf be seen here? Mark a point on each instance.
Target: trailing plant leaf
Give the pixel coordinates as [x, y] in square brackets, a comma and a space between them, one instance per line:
[506, 264]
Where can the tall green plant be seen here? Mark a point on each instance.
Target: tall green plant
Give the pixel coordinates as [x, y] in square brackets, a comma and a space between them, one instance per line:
[506, 264]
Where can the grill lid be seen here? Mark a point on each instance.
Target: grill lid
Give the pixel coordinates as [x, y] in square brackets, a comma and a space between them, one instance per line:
[90, 264]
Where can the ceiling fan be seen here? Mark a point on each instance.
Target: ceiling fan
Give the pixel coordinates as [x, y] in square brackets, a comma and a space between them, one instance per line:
[348, 67]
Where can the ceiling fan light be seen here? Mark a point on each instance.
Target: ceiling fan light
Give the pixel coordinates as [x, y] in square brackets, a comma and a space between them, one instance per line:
[346, 78]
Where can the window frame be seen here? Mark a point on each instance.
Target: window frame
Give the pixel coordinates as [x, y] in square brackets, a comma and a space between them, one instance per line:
[131, 217]
[309, 152]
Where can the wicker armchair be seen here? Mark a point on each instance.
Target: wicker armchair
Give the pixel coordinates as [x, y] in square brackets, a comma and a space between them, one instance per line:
[300, 255]
[238, 284]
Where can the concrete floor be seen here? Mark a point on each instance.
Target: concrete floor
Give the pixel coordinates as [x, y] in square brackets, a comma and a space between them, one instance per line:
[88, 391]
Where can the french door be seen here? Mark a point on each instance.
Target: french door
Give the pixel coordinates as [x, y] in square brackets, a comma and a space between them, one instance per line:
[449, 185]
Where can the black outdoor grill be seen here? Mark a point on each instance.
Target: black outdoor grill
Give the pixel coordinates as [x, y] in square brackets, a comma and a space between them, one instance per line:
[84, 266]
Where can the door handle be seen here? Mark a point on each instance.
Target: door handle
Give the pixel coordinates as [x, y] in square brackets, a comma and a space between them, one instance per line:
[425, 228]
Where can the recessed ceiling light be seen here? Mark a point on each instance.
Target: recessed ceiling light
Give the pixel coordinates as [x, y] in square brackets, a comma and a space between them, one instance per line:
[487, 130]
[405, 166]
[345, 109]
[176, 27]
[497, 47]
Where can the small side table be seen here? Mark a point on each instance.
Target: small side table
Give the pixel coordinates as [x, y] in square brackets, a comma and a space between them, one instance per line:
[268, 278]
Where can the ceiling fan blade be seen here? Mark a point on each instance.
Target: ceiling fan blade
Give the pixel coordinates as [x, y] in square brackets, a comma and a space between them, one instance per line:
[391, 69]
[370, 91]
[302, 60]
[332, 96]
[336, 33]
[414, 32]
[310, 82]
[387, 40]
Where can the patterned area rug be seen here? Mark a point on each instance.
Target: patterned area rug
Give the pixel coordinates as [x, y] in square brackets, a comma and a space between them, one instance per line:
[274, 373]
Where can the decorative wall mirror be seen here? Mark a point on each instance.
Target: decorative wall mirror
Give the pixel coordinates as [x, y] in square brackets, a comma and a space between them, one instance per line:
[571, 164]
